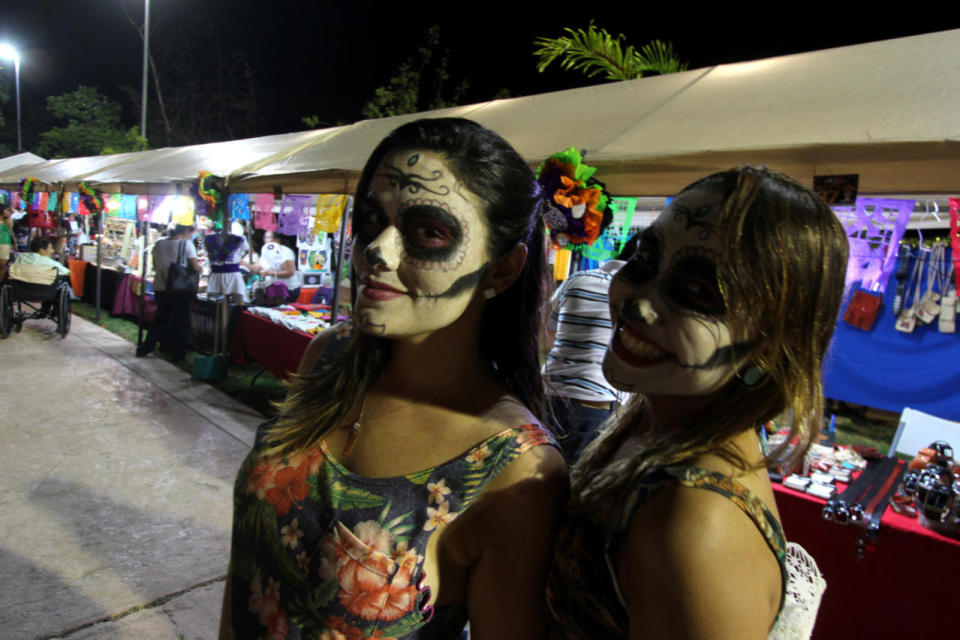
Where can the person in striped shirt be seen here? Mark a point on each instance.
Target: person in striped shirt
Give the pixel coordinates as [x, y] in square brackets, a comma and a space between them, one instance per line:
[580, 397]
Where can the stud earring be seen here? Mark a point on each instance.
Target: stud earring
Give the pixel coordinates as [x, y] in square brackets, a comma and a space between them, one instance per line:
[750, 376]
[489, 293]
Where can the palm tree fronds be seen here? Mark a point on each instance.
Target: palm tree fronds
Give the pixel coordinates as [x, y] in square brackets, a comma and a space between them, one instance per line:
[594, 51]
[659, 57]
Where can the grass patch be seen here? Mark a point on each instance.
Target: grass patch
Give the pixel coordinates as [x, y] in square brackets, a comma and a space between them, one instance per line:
[246, 383]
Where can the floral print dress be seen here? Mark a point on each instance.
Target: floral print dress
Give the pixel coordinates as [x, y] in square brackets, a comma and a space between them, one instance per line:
[322, 553]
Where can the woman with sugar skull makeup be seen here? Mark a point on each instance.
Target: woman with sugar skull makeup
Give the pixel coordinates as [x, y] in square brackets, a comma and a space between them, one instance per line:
[407, 486]
[721, 319]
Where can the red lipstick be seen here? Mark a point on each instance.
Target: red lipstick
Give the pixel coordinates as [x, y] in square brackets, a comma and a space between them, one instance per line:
[379, 291]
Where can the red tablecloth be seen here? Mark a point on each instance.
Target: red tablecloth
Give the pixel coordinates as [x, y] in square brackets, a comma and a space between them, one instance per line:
[907, 584]
[274, 346]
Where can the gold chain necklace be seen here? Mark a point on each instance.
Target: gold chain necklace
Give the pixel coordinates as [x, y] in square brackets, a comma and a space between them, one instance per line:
[355, 429]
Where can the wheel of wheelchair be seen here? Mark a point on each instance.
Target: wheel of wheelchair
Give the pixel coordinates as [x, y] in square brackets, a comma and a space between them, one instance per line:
[6, 311]
[63, 312]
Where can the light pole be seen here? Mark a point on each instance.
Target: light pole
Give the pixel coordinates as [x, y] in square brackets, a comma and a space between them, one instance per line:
[146, 55]
[9, 53]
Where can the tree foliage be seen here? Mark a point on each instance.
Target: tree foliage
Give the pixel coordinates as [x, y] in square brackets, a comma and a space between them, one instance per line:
[203, 87]
[92, 126]
[594, 51]
[418, 84]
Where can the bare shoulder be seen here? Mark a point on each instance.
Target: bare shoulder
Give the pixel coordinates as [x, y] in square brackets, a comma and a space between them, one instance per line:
[317, 345]
[507, 536]
[697, 556]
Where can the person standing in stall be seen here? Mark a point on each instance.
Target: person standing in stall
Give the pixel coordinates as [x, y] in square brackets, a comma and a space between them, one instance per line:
[172, 322]
[278, 261]
[6, 239]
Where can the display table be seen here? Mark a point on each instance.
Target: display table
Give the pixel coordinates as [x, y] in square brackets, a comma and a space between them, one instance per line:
[274, 346]
[109, 285]
[126, 302]
[904, 586]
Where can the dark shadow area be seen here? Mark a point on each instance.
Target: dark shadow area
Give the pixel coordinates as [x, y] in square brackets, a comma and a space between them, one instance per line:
[35, 603]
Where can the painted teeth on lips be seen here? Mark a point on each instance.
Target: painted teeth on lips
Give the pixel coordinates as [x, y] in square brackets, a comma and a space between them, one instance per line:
[641, 347]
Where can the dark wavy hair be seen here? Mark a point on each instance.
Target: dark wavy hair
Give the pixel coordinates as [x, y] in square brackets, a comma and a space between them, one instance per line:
[511, 324]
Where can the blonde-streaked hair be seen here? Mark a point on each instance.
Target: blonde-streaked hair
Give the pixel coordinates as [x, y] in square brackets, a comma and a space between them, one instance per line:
[782, 268]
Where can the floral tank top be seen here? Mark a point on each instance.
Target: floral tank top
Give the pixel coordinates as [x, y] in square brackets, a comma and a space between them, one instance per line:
[583, 593]
[322, 553]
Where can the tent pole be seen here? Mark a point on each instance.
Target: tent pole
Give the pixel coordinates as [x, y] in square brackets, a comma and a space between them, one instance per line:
[99, 262]
[145, 235]
[335, 303]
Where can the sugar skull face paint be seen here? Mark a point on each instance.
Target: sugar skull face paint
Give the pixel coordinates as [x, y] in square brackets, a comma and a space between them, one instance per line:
[672, 333]
[419, 248]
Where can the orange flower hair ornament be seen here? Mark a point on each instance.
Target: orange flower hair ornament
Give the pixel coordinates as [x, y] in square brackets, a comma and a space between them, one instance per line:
[578, 205]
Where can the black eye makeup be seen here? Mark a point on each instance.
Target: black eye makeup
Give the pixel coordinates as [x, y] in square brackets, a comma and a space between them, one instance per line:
[645, 262]
[430, 232]
[692, 284]
[369, 221]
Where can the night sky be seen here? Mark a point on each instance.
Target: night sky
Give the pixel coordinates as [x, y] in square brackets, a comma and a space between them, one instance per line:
[326, 58]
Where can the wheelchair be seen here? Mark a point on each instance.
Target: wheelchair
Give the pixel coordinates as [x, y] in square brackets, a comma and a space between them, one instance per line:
[28, 285]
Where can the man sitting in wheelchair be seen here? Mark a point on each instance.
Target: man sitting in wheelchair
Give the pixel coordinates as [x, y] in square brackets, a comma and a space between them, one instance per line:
[41, 250]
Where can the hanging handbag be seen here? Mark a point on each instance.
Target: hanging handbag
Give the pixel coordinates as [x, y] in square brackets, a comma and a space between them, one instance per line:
[948, 312]
[907, 320]
[929, 307]
[862, 310]
[180, 277]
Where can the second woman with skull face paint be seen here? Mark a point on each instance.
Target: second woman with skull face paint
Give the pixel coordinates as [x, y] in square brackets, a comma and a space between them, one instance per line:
[406, 486]
[721, 320]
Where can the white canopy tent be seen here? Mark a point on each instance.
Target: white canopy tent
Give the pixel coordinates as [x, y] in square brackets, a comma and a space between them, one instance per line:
[888, 111]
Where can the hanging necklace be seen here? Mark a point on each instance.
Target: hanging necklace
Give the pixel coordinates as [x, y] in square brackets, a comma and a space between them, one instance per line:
[355, 429]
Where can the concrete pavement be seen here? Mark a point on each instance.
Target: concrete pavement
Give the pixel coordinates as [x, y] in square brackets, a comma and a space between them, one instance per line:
[116, 479]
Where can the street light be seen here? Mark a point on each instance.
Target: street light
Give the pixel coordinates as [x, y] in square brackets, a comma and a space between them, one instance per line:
[146, 55]
[7, 52]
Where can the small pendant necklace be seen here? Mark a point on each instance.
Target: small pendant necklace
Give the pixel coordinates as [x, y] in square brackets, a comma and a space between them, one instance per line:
[355, 429]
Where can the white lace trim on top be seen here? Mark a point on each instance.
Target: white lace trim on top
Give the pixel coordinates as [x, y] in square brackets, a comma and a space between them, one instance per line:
[805, 587]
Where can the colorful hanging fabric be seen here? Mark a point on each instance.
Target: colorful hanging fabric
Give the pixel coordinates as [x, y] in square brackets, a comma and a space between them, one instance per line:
[43, 201]
[184, 211]
[52, 200]
[294, 212]
[71, 202]
[161, 209]
[112, 204]
[143, 208]
[5, 197]
[330, 208]
[955, 239]
[874, 228]
[128, 207]
[263, 217]
[239, 206]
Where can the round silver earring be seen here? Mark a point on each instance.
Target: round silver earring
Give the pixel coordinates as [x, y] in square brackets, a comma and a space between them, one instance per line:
[751, 376]
[489, 293]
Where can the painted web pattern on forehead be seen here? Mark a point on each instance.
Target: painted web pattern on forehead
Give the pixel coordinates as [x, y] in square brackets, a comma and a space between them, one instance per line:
[874, 228]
